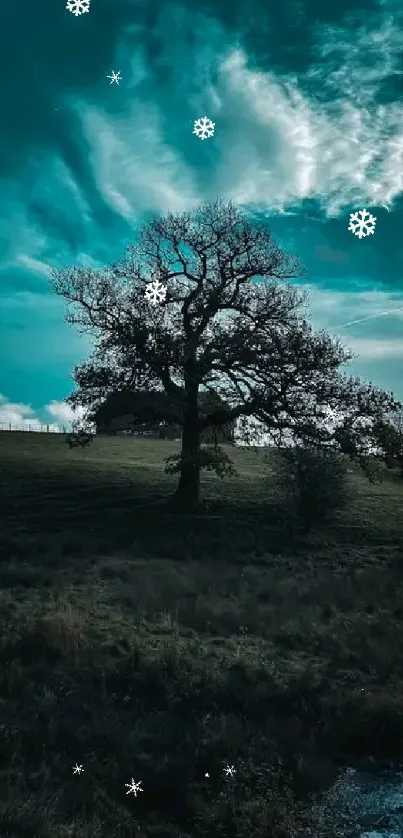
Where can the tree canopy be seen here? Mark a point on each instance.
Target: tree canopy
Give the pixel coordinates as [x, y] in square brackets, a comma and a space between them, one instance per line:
[389, 436]
[230, 325]
[150, 408]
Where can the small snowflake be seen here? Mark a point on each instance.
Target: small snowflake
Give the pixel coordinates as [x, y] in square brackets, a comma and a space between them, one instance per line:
[362, 223]
[155, 292]
[229, 771]
[78, 769]
[78, 7]
[204, 127]
[134, 787]
[115, 77]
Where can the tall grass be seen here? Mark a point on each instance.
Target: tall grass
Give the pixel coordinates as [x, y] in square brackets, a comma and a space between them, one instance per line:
[142, 644]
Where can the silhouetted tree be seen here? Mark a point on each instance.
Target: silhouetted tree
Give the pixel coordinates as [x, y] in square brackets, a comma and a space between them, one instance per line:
[151, 408]
[230, 325]
[389, 436]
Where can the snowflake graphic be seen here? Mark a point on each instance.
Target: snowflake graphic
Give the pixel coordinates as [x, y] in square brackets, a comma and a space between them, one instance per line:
[204, 127]
[362, 223]
[229, 771]
[78, 7]
[155, 292]
[78, 769]
[134, 787]
[115, 77]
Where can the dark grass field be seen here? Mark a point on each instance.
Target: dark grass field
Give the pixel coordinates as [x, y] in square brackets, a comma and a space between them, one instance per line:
[147, 645]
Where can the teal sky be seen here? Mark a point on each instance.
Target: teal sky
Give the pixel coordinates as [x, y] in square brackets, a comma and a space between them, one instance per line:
[307, 102]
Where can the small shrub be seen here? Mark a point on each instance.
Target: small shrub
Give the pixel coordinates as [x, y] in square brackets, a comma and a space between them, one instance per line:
[79, 439]
[211, 458]
[314, 484]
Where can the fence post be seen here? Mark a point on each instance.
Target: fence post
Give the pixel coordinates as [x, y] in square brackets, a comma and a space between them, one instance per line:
[47, 429]
[9, 427]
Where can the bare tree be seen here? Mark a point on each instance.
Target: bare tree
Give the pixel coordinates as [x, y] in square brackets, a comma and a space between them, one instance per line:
[230, 325]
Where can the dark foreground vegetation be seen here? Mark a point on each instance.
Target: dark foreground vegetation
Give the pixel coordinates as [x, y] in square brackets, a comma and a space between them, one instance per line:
[144, 644]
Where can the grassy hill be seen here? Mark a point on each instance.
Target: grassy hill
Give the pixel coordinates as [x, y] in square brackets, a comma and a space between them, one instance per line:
[147, 645]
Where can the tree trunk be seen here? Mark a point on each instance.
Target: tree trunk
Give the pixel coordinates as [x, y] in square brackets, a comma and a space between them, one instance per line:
[187, 494]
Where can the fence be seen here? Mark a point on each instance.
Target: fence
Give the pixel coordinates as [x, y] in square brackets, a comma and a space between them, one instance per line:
[41, 429]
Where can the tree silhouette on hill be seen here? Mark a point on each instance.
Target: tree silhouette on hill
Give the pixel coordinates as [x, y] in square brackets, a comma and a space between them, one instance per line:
[230, 325]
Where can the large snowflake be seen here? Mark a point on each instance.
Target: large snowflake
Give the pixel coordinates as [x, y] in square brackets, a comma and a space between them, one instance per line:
[134, 787]
[115, 77]
[362, 223]
[78, 7]
[155, 292]
[204, 127]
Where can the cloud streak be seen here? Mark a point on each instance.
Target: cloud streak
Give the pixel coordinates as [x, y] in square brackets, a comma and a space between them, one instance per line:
[372, 317]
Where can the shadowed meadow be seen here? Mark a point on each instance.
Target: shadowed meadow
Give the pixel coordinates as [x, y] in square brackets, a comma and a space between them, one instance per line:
[161, 647]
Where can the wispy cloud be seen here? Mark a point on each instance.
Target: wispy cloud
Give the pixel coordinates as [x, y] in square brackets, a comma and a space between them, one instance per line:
[335, 309]
[375, 348]
[277, 141]
[390, 313]
[34, 265]
[135, 168]
[297, 147]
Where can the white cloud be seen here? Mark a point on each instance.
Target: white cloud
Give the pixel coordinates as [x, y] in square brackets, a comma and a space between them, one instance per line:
[294, 147]
[340, 312]
[359, 318]
[54, 416]
[63, 413]
[34, 265]
[388, 313]
[376, 348]
[134, 167]
[19, 416]
[278, 140]
[374, 47]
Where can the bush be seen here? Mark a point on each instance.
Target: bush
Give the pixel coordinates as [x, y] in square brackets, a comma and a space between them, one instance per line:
[313, 482]
[211, 458]
[79, 439]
